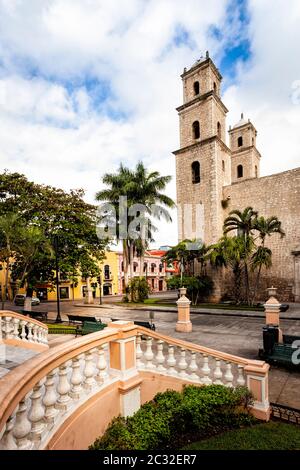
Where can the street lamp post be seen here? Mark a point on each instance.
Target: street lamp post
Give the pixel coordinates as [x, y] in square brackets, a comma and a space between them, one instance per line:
[100, 289]
[58, 317]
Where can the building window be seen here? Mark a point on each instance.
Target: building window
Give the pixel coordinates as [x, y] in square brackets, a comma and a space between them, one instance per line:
[152, 282]
[122, 266]
[161, 267]
[153, 266]
[196, 130]
[256, 172]
[145, 267]
[215, 87]
[196, 88]
[64, 292]
[240, 171]
[135, 266]
[106, 272]
[195, 172]
[219, 130]
[240, 141]
[223, 165]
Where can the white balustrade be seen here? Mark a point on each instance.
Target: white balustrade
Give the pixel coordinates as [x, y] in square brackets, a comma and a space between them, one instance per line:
[89, 371]
[218, 374]
[182, 365]
[206, 380]
[13, 327]
[8, 442]
[16, 322]
[50, 397]
[171, 361]
[76, 378]
[241, 379]
[101, 365]
[149, 353]
[160, 358]
[36, 412]
[30, 335]
[193, 368]
[8, 328]
[22, 427]
[23, 330]
[228, 375]
[63, 387]
[139, 351]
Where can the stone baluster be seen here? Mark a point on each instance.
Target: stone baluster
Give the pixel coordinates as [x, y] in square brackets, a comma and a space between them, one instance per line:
[206, 380]
[22, 427]
[241, 379]
[8, 328]
[63, 387]
[35, 330]
[50, 397]
[182, 365]
[228, 375]
[44, 336]
[218, 374]
[89, 371]
[37, 412]
[160, 356]
[8, 442]
[16, 322]
[30, 335]
[171, 361]
[39, 334]
[193, 368]
[76, 378]
[23, 331]
[149, 353]
[101, 365]
[139, 352]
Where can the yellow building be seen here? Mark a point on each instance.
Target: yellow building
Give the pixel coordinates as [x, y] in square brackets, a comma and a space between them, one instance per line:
[70, 290]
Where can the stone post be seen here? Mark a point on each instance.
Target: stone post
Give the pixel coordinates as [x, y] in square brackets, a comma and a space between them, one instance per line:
[184, 324]
[272, 311]
[89, 293]
[123, 365]
[256, 375]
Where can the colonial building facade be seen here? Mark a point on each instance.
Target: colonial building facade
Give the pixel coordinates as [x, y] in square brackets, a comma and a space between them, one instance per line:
[214, 178]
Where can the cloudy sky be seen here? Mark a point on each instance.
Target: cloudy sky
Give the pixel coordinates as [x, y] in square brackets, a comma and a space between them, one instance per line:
[86, 84]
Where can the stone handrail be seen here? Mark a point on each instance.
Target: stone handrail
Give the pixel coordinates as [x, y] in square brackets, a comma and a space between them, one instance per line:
[38, 397]
[20, 329]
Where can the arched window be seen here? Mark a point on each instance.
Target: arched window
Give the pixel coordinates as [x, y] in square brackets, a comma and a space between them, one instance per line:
[240, 141]
[135, 266]
[240, 171]
[196, 130]
[252, 140]
[196, 88]
[195, 172]
[223, 165]
[106, 272]
[122, 266]
[219, 130]
[153, 266]
[145, 267]
[256, 172]
[215, 87]
[161, 267]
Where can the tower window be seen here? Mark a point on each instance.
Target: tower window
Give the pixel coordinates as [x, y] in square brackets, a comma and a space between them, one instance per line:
[195, 172]
[223, 165]
[256, 172]
[219, 130]
[196, 130]
[240, 171]
[252, 140]
[196, 88]
[215, 87]
[240, 142]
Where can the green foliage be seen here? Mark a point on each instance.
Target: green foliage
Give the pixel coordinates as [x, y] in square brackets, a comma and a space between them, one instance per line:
[139, 289]
[165, 421]
[198, 287]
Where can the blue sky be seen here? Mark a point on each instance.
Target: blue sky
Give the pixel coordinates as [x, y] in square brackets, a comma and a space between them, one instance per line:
[86, 84]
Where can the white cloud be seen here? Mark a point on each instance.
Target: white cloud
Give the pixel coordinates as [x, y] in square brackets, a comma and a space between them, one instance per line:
[55, 130]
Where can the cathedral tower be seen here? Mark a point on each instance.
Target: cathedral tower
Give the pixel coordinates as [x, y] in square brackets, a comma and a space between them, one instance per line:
[203, 162]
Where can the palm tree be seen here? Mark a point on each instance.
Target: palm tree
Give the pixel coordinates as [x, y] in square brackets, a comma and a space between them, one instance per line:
[244, 224]
[262, 257]
[143, 190]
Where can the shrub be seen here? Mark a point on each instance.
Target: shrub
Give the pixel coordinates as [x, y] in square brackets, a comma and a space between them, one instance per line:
[139, 289]
[170, 417]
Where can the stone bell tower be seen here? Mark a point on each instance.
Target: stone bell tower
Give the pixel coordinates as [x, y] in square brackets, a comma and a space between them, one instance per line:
[203, 161]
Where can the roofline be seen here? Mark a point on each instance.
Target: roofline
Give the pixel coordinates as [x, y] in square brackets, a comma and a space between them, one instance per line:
[202, 98]
[202, 65]
[233, 129]
[202, 143]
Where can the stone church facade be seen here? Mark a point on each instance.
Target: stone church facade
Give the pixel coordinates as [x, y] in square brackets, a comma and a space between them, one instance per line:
[213, 179]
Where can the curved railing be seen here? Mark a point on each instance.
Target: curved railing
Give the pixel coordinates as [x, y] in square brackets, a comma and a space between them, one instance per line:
[44, 392]
[19, 329]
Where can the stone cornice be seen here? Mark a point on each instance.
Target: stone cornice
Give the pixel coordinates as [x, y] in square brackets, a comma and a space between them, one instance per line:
[244, 150]
[202, 65]
[202, 98]
[244, 126]
[201, 143]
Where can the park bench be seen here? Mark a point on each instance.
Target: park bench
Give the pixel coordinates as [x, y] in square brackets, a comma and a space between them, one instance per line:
[282, 354]
[73, 319]
[90, 327]
[289, 339]
[35, 314]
